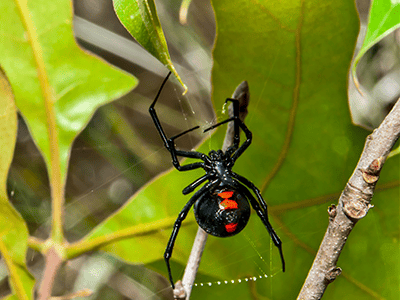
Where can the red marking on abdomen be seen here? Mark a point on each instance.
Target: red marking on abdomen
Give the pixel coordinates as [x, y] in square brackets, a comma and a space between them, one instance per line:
[226, 194]
[231, 227]
[229, 204]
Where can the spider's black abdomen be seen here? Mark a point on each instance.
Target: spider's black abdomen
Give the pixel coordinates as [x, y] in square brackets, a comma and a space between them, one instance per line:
[222, 212]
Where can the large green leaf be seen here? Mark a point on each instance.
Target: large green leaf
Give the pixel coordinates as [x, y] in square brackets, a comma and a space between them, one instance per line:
[140, 19]
[57, 86]
[13, 230]
[295, 56]
[384, 18]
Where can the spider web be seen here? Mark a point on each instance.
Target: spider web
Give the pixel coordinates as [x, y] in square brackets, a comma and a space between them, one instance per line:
[102, 176]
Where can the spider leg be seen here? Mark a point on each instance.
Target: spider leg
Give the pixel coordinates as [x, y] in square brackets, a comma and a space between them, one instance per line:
[169, 142]
[190, 154]
[153, 113]
[234, 148]
[191, 187]
[236, 136]
[235, 118]
[238, 123]
[177, 225]
[245, 144]
[262, 211]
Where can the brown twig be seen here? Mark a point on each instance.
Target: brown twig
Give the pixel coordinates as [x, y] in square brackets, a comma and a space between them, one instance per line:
[354, 204]
[52, 263]
[81, 293]
[183, 288]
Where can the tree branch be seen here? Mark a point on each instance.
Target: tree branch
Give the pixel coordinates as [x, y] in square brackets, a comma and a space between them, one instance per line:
[353, 205]
[183, 288]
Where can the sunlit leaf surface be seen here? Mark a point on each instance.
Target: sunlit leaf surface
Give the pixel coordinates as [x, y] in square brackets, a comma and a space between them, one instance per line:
[141, 20]
[57, 86]
[384, 18]
[13, 230]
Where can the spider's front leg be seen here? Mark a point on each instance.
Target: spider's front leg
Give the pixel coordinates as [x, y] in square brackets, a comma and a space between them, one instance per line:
[235, 149]
[236, 120]
[169, 142]
[189, 154]
[177, 225]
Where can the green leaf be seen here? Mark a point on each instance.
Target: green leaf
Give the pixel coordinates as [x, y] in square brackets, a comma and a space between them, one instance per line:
[141, 20]
[57, 85]
[384, 18]
[13, 230]
[295, 56]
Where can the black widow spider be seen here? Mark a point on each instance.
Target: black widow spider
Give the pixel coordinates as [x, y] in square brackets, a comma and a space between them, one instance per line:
[221, 206]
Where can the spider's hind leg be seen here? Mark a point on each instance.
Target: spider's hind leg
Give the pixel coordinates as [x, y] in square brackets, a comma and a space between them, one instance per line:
[261, 209]
[177, 225]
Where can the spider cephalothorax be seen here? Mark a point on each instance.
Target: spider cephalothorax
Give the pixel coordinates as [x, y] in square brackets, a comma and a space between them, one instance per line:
[221, 205]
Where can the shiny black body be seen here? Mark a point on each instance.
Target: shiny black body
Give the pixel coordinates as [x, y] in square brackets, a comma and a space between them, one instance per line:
[221, 205]
[214, 219]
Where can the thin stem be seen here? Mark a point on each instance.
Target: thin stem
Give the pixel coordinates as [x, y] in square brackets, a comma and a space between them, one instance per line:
[52, 154]
[12, 268]
[193, 263]
[53, 157]
[52, 264]
[36, 244]
[75, 249]
[353, 205]
[81, 293]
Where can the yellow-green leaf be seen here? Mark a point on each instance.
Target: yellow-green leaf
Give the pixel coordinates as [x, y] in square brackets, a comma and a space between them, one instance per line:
[13, 230]
[384, 18]
[140, 18]
[57, 85]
